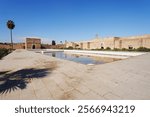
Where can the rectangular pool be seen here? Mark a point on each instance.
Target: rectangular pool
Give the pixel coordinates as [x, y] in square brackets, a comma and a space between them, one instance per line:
[82, 58]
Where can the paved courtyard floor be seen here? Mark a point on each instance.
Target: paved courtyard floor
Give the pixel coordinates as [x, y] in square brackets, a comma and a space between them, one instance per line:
[29, 75]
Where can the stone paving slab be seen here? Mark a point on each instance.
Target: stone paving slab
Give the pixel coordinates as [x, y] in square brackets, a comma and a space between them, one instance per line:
[37, 76]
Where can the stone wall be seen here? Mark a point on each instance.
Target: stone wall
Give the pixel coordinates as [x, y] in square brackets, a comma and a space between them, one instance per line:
[133, 43]
[33, 43]
[71, 44]
[47, 46]
[114, 42]
[108, 43]
[5, 45]
[15, 45]
[146, 43]
[19, 46]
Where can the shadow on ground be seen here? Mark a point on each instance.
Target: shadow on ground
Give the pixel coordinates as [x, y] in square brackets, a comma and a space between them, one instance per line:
[11, 81]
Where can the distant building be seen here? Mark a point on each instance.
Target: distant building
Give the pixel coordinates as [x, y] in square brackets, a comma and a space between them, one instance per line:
[113, 42]
[33, 43]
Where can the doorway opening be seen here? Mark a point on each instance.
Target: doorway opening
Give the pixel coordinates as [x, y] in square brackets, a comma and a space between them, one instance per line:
[33, 46]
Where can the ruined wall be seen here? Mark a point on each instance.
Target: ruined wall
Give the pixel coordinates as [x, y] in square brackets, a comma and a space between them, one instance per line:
[19, 46]
[15, 45]
[33, 43]
[108, 43]
[70, 44]
[95, 44]
[133, 43]
[48, 46]
[84, 45]
[136, 41]
[116, 42]
[4, 45]
[146, 43]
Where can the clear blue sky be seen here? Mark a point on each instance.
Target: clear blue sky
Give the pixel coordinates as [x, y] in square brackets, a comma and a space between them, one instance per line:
[74, 20]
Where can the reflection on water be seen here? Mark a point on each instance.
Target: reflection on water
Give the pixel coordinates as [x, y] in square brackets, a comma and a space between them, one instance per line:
[82, 59]
[53, 54]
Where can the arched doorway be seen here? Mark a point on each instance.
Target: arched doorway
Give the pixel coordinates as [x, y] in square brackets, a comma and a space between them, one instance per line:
[33, 46]
[102, 46]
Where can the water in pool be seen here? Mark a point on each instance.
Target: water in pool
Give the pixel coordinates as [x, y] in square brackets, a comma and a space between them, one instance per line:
[80, 58]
